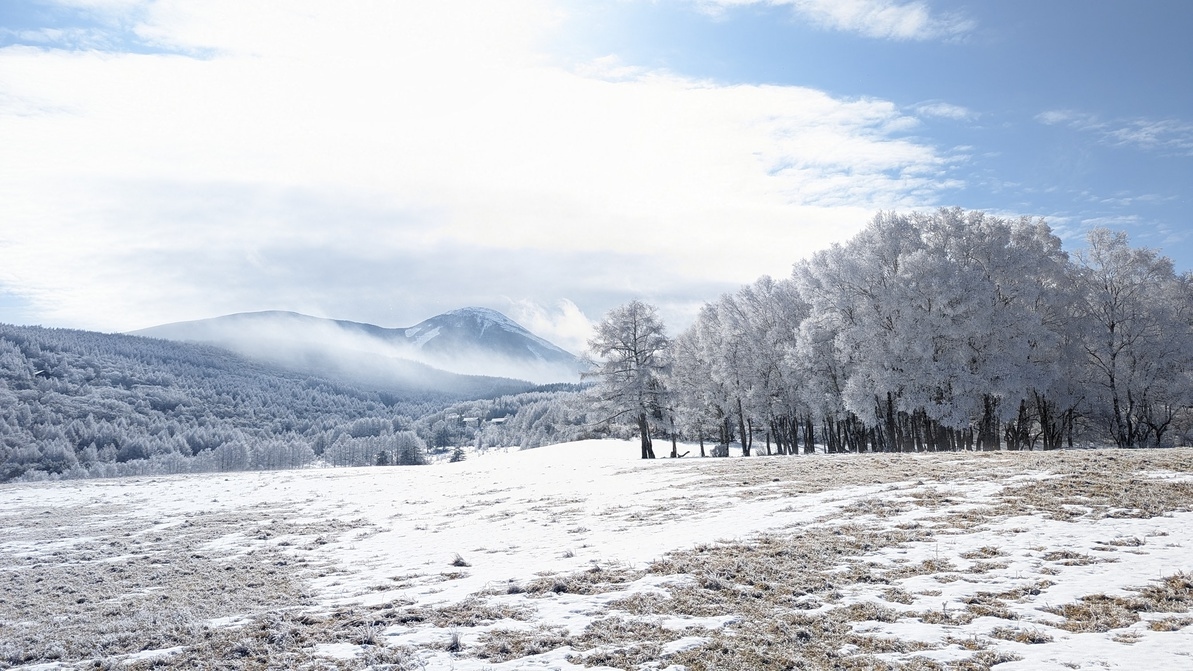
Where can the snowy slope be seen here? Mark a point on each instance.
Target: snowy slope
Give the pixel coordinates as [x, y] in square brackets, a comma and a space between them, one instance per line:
[955, 557]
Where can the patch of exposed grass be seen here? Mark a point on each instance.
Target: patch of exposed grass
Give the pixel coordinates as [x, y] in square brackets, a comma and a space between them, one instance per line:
[945, 616]
[1170, 623]
[502, 645]
[1096, 613]
[877, 507]
[621, 643]
[1173, 594]
[1030, 635]
[987, 604]
[596, 580]
[1115, 493]
[1070, 558]
[471, 612]
[984, 552]
[898, 595]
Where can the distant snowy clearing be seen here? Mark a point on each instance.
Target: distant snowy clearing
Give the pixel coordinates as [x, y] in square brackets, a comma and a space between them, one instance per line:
[581, 555]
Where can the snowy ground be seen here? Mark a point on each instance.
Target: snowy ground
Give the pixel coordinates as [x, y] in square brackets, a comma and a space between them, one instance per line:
[581, 555]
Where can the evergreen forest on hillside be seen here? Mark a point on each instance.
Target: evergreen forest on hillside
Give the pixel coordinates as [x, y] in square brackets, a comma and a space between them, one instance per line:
[79, 404]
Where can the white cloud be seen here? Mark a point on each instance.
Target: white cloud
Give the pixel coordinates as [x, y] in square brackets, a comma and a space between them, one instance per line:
[1055, 117]
[1162, 135]
[943, 110]
[566, 325]
[882, 19]
[382, 134]
[1119, 221]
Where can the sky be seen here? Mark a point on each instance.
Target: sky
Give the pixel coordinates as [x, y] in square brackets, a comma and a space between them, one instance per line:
[166, 160]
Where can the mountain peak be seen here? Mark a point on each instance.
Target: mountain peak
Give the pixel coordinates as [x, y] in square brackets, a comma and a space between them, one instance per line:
[486, 315]
[464, 329]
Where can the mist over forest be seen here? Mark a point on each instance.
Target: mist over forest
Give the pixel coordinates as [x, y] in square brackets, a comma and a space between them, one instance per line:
[83, 404]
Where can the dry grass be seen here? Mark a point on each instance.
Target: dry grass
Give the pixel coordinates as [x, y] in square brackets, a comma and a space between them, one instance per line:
[596, 580]
[1029, 635]
[770, 584]
[1101, 613]
[1170, 623]
[898, 595]
[502, 645]
[141, 587]
[1097, 613]
[1173, 594]
[472, 612]
[985, 552]
[1070, 558]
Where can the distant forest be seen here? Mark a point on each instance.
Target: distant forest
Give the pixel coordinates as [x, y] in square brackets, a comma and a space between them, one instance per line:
[931, 331]
[84, 404]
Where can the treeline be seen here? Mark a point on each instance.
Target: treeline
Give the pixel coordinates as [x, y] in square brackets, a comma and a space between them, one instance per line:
[550, 414]
[79, 404]
[942, 331]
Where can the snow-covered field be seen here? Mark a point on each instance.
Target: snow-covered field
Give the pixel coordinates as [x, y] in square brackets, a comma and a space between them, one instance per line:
[582, 555]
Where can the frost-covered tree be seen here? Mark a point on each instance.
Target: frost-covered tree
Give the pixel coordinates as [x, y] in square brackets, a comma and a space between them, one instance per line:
[982, 293]
[772, 312]
[1138, 319]
[733, 365]
[943, 327]
[628, 358]
[695, 398]
[409, 449]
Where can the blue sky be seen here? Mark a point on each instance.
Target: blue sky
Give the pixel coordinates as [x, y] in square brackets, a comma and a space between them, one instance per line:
[384, 162]
[1076, 110]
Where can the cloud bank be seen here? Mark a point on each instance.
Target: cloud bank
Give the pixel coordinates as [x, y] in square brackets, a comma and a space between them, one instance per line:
[387, 161]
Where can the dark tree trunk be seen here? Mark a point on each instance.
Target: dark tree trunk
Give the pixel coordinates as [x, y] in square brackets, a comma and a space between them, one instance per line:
[988, 439]
[644, 429]
[745, 436]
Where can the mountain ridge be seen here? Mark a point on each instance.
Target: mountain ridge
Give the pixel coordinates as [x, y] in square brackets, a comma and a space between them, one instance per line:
[471, 341]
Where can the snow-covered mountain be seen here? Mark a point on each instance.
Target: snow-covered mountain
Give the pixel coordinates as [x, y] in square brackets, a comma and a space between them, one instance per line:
[468, 341]
[481, 332]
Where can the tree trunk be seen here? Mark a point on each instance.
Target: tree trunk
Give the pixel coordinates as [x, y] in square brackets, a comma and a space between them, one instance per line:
[988, 438]
[745, 437]
[644, 429]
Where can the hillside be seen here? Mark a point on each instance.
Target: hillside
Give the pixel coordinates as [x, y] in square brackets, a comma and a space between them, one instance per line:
[82, 403]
